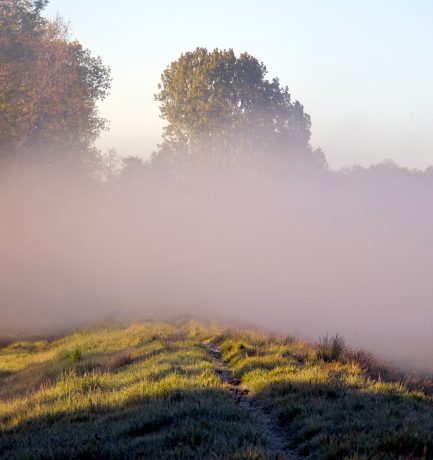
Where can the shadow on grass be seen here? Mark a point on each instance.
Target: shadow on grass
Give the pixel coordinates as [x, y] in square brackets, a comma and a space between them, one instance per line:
[334, 421]
[173, 369]
[323, 421]
[181, 424]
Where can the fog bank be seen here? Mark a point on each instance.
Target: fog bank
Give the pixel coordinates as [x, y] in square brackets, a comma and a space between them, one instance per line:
[304, 253]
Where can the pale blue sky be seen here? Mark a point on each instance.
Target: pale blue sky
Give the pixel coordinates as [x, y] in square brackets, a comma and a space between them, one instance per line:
[362, 69]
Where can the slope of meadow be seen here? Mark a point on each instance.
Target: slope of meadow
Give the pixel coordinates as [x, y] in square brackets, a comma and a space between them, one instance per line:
[153, 390]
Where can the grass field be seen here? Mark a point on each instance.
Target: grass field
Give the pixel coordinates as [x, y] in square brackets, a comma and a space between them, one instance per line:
[152, 390]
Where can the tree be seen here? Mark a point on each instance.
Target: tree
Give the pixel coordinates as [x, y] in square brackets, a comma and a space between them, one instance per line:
[49, 86]
[134, 169]
[220, 106]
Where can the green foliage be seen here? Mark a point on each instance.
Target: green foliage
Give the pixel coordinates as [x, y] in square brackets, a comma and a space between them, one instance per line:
[49, 87]
[221, 107]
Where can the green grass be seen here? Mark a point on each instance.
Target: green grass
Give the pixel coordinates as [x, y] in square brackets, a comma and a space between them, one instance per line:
[146, 391]
[332, 408]
[150, 391]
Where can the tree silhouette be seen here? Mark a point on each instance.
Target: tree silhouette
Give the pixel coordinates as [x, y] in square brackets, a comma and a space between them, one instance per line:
[219, 106]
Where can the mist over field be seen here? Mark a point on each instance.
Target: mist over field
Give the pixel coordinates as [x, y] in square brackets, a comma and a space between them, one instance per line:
[308, 253]
[235, 217]
[229, 292]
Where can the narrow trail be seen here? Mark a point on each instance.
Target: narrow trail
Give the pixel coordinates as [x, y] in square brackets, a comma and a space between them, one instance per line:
[277, 438]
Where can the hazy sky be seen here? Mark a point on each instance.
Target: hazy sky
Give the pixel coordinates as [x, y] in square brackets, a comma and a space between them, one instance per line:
[362, 70]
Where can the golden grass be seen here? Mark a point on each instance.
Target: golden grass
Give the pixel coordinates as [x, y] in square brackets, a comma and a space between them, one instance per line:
[150, 390]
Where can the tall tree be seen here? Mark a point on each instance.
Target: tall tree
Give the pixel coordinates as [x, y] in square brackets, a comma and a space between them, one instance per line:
[221, 106]
[49, 86]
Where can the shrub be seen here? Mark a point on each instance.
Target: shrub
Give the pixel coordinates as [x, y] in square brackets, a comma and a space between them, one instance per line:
[331, 348]
[363, 358]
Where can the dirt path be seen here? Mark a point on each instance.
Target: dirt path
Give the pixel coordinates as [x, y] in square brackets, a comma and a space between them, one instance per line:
[276, 437]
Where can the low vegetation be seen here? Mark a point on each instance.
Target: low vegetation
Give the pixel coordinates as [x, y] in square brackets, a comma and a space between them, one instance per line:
[151, 390]
[330, 402]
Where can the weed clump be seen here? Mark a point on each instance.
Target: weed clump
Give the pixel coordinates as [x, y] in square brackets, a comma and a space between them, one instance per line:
[364, 359]
[331, 348]
[72, 356]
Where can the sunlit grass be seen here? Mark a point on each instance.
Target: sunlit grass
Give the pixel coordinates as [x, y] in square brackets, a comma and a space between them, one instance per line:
[150, 390]
[332, 409]
[147, 390]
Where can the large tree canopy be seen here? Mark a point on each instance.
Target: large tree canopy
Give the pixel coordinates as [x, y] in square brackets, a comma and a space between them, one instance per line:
[49, 85]
[221, 106]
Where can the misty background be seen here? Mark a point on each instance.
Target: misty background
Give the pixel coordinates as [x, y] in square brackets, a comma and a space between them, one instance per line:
[317, 254]
[235, 216]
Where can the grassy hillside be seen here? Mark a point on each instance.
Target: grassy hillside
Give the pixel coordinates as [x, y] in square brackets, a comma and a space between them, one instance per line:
[157, 390]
